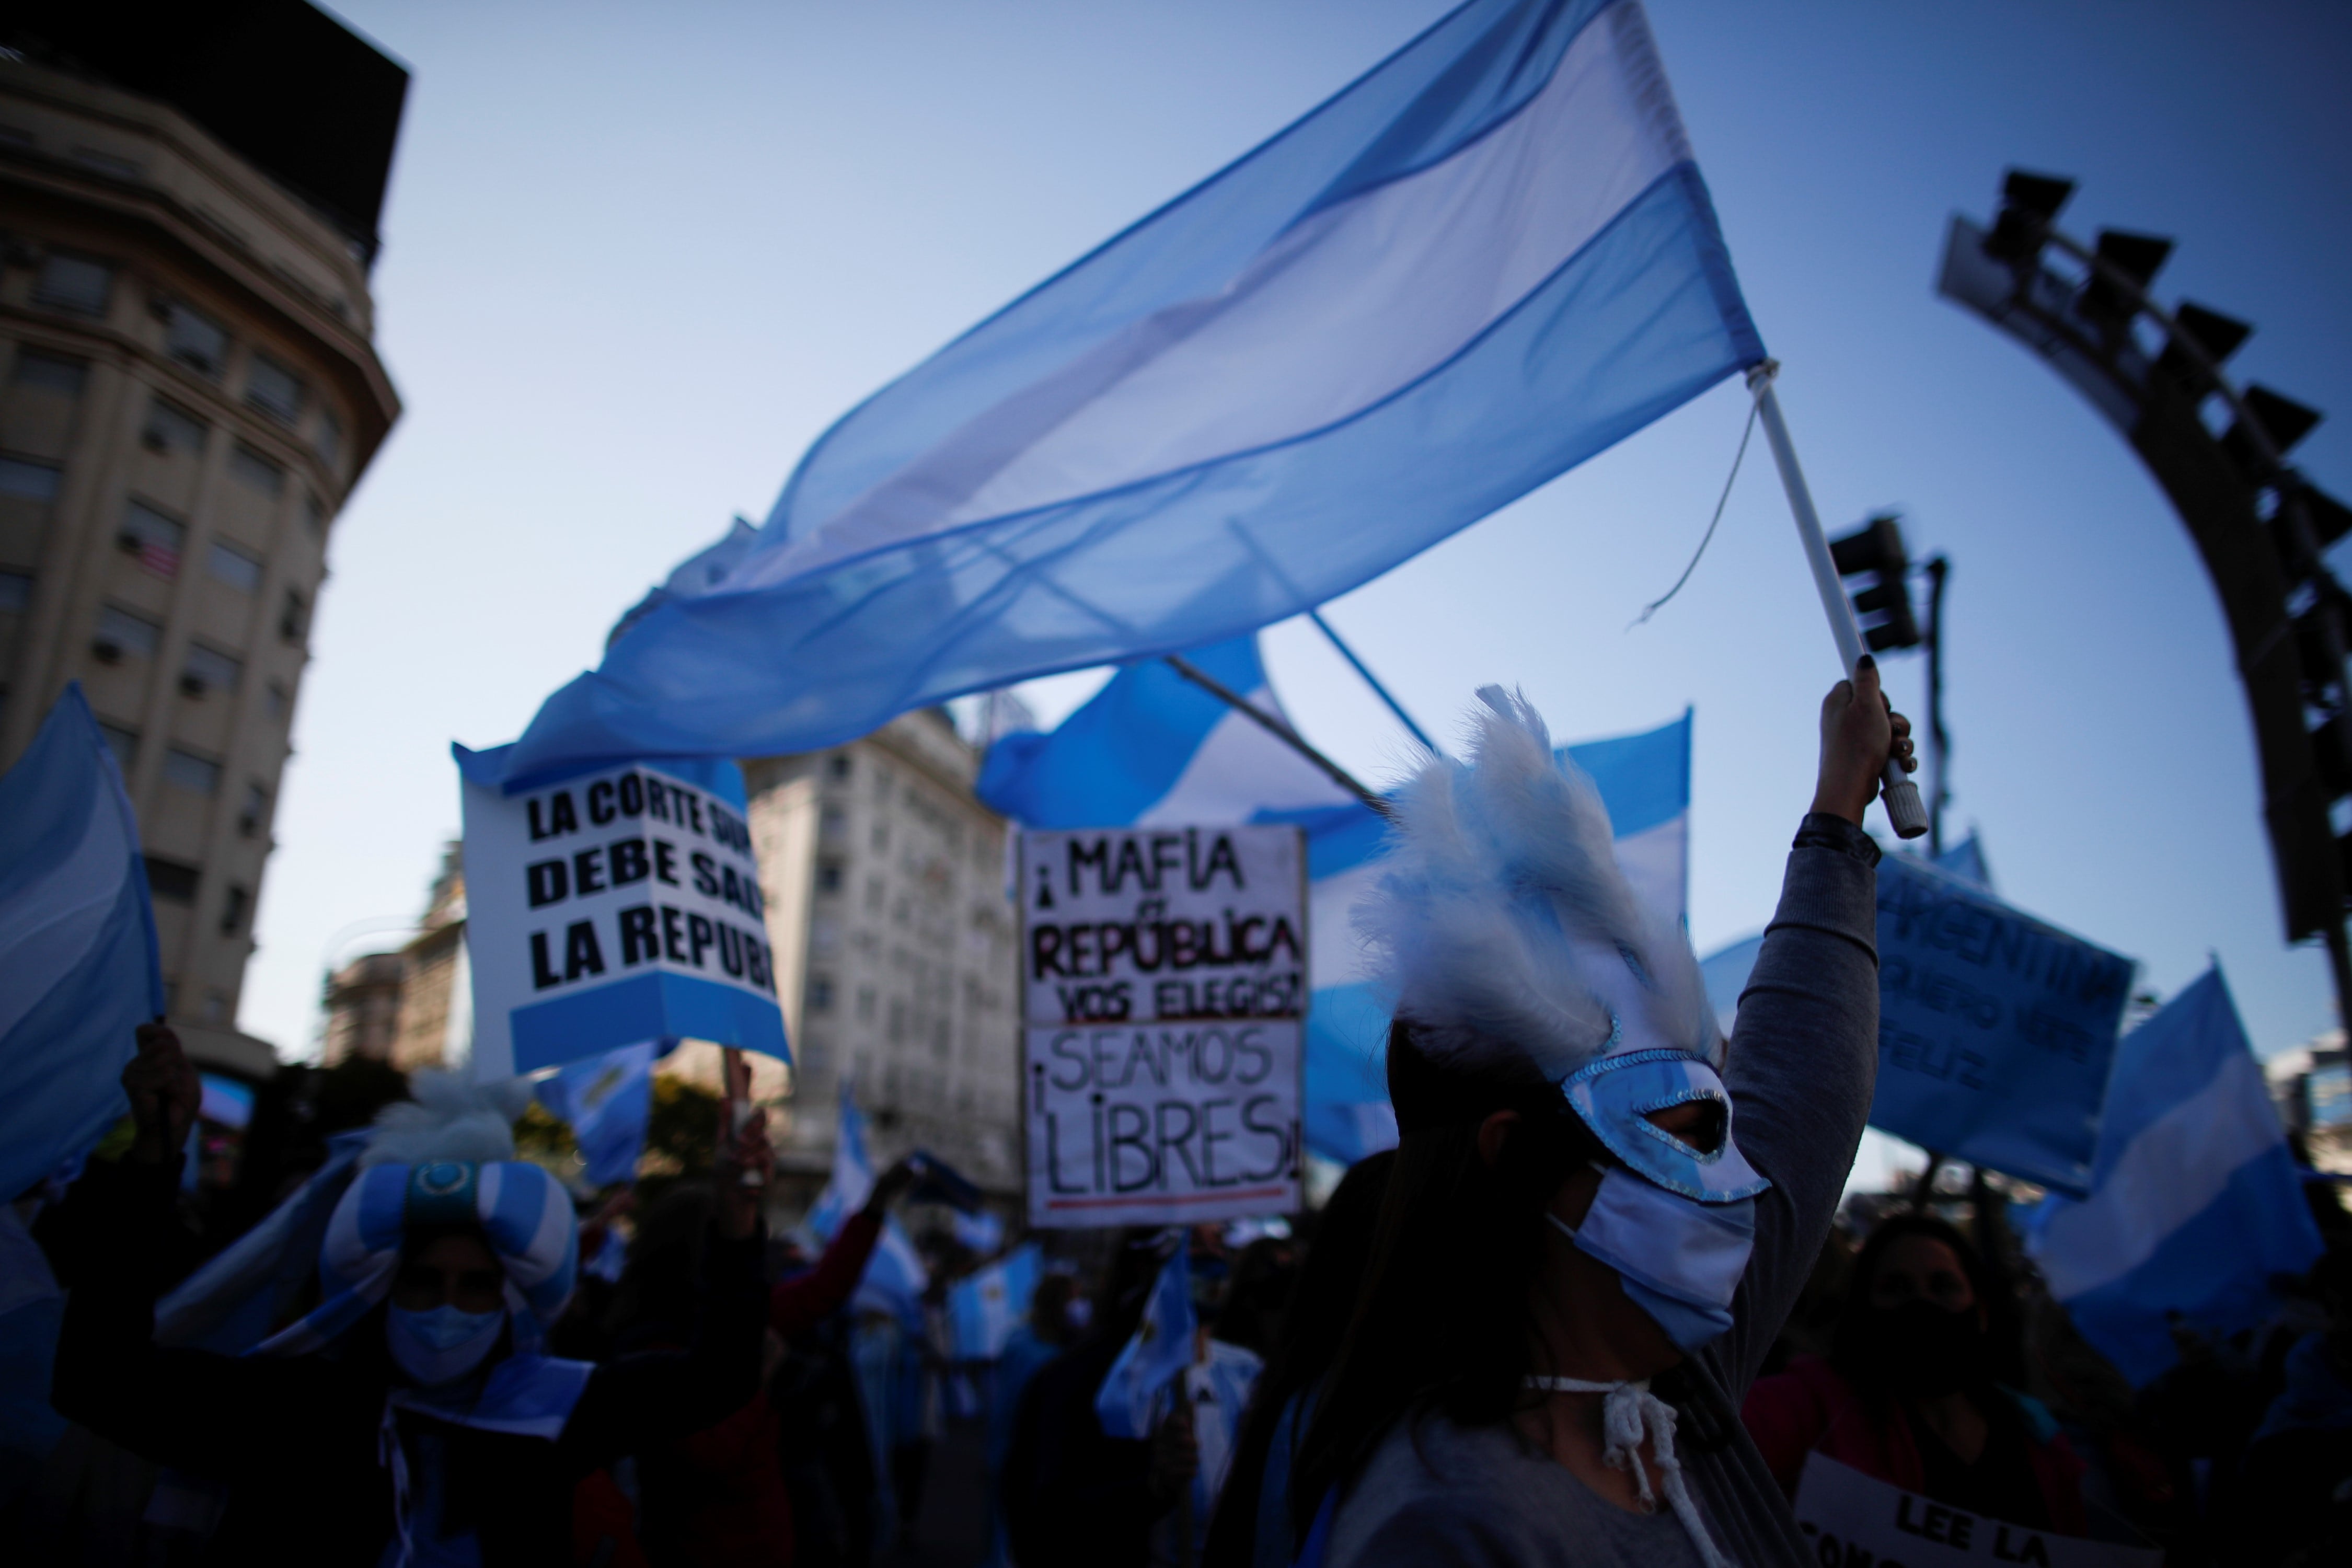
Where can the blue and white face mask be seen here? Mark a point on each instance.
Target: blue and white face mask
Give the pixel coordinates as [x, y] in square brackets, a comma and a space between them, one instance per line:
[1615, 1097]
[1677, 1219]
[442, 1344]
[1679, 1261]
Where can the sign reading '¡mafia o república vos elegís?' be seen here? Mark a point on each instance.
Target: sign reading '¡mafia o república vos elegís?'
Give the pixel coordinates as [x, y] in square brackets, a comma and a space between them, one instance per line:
[1164, 992]
[610, 909]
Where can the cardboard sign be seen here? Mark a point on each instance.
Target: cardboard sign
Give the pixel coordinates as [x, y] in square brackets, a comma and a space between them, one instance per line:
[1850, 1518]
[1164, 987]
[609, 909]
[1996, 1031]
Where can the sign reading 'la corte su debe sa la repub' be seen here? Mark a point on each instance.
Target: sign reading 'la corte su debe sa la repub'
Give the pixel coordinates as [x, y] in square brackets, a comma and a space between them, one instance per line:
[1164, 993]
[616, 907]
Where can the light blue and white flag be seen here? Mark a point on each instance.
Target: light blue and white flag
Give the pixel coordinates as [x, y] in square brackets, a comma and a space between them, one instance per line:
[986, 1306]
[1161, 1348]
[1486, 261]
[609, 1101]
[895, 1277]
[1151, 747]
[2195, 1201]
[79, 971]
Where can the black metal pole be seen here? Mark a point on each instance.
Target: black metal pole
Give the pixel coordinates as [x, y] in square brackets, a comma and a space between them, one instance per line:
[1938, 742]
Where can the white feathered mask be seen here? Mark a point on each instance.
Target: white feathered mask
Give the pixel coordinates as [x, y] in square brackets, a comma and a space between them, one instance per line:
[1501, 926]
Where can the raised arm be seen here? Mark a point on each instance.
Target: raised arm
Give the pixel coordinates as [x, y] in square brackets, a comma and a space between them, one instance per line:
[1804, 1051]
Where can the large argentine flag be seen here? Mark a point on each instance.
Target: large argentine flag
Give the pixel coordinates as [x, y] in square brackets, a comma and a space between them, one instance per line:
[1151, 747]
[1487, 259]
[78, 961]
[2195, 1201]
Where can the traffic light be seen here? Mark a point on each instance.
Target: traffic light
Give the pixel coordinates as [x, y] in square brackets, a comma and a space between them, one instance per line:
[1883, 606]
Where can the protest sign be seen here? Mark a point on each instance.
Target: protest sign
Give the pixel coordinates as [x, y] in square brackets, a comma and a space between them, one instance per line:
[1996, 1031]
[1164, 988]
[611, 908]
[1850, 1518]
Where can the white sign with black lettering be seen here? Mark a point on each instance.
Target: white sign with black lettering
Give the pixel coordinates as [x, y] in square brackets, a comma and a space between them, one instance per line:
[616, 907]
[1164, 989]
[1848, 1518]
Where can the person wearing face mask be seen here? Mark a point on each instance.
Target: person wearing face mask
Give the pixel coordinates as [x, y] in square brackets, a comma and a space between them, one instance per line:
[413, 1417]
[1911, 1391]
[1598, 1215]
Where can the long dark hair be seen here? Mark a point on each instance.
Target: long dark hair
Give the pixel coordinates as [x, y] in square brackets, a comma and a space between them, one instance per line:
[1441, 1320]
[1320, 1307]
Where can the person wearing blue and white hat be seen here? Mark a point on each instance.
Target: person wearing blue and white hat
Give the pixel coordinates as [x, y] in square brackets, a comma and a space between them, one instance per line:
[414, 1416]
[1599, 1214]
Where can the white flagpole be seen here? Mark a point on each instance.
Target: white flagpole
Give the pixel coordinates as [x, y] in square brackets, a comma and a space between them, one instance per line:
[1896, 792]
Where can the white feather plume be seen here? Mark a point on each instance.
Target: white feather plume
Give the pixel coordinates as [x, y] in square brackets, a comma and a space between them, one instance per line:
[451, 1116]
[1501, 925]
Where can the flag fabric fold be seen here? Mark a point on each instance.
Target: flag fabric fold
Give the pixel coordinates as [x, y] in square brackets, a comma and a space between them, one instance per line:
[1160, 1350]
[78, 966]
[609, 1101]
[986, 1305]
[1152, 748]
[2195, 1202]
[1486, 261]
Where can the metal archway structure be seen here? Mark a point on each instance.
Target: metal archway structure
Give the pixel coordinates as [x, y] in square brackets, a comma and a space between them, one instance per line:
[2258, 524]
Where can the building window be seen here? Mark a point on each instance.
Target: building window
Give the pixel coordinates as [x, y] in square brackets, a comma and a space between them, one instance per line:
[831, 824]
[240, 569]
[820, 995]
[171, 429]
[16, 591]
[170, 882]
[122, 742]
[840, 764]
[194, 339]
[49, 372]
[897, 1027]
[74, 283]
[121, 632]
[865, 1004]
[829, 877]
[277, 700]
[253, 469]
[274, 389]
[207, 671]
[197, 775]
[154, 538]
[256, 811]
[28, 481]
[292, 621]
[314, 515]
[874, 895]
[329, 441]
[233, 909]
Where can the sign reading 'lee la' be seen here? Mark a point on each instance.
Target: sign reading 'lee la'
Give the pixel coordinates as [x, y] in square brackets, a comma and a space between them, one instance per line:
[1164, 993]
[610, 909]
[1851, 1518]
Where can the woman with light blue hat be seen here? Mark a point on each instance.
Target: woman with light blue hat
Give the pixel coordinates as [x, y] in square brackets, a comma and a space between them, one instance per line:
[413, 1417]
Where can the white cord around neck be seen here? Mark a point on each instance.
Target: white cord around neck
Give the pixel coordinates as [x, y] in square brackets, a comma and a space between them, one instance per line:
[1629, 1414]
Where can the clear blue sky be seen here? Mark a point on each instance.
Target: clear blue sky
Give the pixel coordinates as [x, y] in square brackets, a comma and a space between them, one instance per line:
[637, 258]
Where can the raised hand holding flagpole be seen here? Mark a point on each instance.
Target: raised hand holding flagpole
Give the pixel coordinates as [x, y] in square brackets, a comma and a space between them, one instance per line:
[1896, 792]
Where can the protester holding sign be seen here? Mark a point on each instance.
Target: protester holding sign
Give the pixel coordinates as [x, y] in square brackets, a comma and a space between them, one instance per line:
[412, 1416]
[1911, 1393]
[1596, 1221]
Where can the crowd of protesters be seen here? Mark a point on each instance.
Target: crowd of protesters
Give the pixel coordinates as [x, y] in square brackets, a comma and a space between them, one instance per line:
[1565, 1320]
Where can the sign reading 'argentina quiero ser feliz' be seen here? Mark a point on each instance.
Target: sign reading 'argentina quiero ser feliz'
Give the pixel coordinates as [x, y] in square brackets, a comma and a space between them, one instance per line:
[612, 908]
[1164, 988]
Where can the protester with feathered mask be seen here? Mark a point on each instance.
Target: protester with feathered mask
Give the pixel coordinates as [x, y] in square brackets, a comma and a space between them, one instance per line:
[1598, 1215]
[413, 1417]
